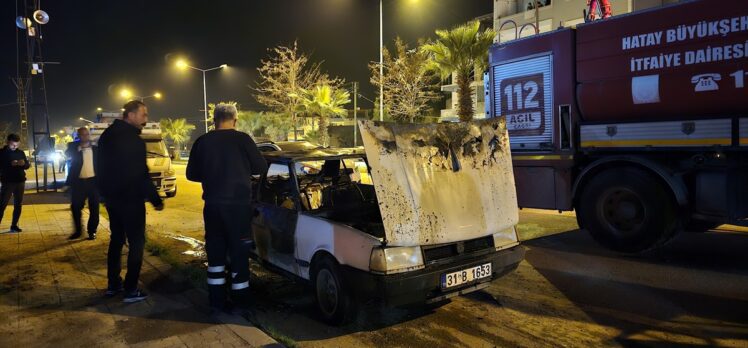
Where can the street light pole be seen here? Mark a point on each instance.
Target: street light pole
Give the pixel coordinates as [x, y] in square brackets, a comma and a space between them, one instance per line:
[181, 64]
[381, 65]
[205, 102]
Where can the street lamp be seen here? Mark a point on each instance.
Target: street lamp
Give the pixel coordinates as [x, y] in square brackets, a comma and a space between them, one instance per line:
[125, 93]
[181, 64]
[156, 95]
[99, 109]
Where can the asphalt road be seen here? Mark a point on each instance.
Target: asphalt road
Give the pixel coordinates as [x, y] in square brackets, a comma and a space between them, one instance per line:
[567, 292]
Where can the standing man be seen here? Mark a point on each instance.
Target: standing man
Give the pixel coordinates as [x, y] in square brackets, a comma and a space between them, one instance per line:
[224, 160]
[122, 176]
[82, 182]
[13, 165]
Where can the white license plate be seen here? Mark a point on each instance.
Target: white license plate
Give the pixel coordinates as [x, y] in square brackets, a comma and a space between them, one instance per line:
[465, 276]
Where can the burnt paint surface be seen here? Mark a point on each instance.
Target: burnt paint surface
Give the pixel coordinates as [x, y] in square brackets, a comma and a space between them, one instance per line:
[441, 183]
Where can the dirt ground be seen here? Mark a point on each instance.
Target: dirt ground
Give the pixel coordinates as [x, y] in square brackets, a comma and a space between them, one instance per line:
[567, 292]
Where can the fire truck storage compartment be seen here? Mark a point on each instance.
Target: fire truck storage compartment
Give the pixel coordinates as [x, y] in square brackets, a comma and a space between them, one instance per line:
[683, 61]
[529, 79]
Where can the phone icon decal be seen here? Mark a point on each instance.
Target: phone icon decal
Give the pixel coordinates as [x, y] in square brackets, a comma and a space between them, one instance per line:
[706, 82]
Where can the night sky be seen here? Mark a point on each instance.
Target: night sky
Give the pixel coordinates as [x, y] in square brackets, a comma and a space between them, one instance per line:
[104, 45]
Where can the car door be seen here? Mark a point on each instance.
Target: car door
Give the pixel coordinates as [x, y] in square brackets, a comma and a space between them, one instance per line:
[277, 215]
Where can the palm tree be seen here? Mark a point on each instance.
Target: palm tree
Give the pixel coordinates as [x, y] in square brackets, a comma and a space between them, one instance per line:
[178, 131]
[324, 101]
[462, 51]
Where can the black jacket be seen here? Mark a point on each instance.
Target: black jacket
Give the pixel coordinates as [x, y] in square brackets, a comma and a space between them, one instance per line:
[75, 156]
[121, 168]
[224, 162]
[9, 172]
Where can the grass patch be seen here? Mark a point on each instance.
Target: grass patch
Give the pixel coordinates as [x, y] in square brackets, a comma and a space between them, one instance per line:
[192, 271]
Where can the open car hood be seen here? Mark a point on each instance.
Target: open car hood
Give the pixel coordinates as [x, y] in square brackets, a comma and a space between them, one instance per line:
[442, 183]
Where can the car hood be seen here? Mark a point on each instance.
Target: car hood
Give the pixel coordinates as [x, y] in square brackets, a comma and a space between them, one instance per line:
[442, 183]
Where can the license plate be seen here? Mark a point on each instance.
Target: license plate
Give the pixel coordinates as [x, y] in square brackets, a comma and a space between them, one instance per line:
[465, 276]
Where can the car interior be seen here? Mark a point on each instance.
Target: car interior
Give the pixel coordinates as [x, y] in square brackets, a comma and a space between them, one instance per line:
[333, 189]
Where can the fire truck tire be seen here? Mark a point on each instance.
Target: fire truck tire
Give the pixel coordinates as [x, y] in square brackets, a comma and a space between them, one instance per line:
[696, 225]
[627, 210]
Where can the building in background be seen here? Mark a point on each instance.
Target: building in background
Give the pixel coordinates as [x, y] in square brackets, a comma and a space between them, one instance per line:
[513, 19]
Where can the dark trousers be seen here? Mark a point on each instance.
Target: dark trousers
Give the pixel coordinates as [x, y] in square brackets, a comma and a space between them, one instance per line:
[14, 189]
[127, 223]
[82, 190]
[227, 233]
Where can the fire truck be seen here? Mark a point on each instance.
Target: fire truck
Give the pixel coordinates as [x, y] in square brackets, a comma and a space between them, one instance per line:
[638, 122]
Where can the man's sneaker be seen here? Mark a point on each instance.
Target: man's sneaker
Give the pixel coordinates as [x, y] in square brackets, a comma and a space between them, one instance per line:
[111, 292]
[135, 296]
[75, 235]
[15, 228]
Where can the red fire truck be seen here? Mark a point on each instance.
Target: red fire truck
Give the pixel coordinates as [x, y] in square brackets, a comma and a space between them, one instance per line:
[639, 122]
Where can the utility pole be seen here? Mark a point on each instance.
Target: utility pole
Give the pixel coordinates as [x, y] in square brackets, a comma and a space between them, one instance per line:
[355, 113]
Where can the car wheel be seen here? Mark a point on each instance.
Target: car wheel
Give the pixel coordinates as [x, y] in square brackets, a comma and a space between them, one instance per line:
[627, 210]
[172, 193]
[333, 297]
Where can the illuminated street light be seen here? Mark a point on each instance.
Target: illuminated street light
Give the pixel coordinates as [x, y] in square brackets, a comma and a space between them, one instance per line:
[99, 109]
[182, 64]
[125, 93]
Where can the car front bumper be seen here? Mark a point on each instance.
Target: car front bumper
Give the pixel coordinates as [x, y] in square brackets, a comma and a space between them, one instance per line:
[424, 286]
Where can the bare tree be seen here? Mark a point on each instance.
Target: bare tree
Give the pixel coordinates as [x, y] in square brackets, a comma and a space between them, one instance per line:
[284, 74]
[408, 86]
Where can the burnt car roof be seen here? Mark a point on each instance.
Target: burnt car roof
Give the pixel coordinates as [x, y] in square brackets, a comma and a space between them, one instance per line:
[314, 154]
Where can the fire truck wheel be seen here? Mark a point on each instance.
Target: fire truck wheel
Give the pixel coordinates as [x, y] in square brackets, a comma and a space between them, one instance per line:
[627, 210]
[696, 225]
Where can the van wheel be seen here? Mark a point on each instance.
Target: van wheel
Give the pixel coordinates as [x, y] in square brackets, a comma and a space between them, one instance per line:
[172, 193]
[333, 296]
[627, 210]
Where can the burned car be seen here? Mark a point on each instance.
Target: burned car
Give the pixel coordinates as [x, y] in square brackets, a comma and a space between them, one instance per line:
[421, 214]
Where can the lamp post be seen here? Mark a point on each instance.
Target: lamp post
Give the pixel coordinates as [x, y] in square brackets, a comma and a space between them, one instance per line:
[156, 95]
[181, 64]
[381, 64]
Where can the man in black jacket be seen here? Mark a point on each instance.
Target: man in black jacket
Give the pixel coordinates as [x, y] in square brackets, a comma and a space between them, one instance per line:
[82, 182]
[122, 176]
[224, 161]
[13, 165]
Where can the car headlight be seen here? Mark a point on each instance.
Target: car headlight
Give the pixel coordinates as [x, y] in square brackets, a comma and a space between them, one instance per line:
[396, 259]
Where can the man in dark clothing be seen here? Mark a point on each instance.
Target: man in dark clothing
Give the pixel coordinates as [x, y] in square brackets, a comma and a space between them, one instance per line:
[124, 183]
[224, 160]
[13, 165]
[82, 182]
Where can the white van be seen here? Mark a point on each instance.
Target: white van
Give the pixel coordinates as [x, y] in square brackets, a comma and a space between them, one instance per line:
[424, 213]
[157, 156]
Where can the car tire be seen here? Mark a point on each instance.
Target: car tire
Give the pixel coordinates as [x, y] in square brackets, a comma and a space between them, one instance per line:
[333, 297]
[627, 210]
[172, 193]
